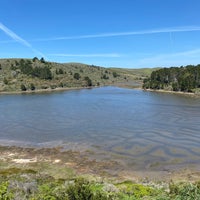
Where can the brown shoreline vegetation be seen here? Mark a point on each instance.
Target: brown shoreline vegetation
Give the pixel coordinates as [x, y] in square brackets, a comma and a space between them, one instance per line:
[61, 163]
[57, 174]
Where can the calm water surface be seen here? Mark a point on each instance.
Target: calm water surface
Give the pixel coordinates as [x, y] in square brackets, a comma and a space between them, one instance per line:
[143, 128]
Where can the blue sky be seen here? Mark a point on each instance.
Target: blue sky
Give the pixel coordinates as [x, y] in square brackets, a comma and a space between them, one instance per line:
[110, 33]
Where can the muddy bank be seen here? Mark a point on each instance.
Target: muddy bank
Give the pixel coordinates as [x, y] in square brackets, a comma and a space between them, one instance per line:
[56, 161]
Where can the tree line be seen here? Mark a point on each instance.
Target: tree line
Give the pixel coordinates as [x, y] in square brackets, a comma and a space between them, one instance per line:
[184, 79]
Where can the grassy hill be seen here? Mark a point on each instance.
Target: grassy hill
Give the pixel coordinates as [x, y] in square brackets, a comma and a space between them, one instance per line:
[36, 74]
[136, 74]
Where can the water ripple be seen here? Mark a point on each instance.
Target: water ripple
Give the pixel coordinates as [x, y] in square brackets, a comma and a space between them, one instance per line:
[146, 128]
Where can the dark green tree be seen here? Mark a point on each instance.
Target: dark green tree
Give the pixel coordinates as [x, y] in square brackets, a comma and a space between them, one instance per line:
[42, 60]
[77, 76]
[35, 59]
[178, 78]
[88, 81]
[42, 72]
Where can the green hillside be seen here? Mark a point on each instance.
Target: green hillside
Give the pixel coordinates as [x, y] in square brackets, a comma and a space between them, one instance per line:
[136, 74]
[36, 74]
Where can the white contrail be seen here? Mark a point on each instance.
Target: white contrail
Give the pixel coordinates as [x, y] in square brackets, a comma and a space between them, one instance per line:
[145, 32]
[18, 39]
[117, 34]
[87, 55]
[13, 35]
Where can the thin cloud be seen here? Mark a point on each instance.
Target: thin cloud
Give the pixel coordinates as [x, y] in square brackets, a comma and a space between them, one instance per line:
[116, 34]
[87, 55]
[173, 59]
[18, 39]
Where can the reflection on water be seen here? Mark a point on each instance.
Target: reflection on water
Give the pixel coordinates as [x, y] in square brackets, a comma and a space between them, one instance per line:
[144, 129]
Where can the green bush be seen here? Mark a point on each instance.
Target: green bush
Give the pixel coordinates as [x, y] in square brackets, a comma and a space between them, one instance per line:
[115, 74]
[79, 190]
[5, 81]
[77, 76]
[32, 86]
[5, 194]
[105, 77]
[61, 84]
[88, 81]
[185, 191]
[23, 87]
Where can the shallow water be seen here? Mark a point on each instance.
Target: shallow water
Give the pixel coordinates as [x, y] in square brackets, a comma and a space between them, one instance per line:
[143, 129]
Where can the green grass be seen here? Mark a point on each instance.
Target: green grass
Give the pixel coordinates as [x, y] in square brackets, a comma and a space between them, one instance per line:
[16, 183]
[135, 73]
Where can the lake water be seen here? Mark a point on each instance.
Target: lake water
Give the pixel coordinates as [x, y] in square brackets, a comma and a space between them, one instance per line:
[144, 129]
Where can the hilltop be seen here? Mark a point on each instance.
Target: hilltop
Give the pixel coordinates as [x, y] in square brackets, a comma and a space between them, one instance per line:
[37, 74]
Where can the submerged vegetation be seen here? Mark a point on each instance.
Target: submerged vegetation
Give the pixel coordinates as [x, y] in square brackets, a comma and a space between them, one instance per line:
[184, 79]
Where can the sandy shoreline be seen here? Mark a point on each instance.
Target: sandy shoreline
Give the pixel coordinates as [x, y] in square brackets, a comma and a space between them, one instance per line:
[48, 90]
[173, 92]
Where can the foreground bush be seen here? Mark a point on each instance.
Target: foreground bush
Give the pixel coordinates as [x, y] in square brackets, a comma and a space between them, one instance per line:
[33, 186]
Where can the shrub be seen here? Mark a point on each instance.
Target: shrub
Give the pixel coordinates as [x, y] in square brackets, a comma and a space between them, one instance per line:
[185, 191]
[105, 77]
[5, 81]
[5, 194]
[23, 87]
[59, 71]
[115, 74]
[88, 81]
[80, 190]
[32, 86]
[53, 86]
[61, 84]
